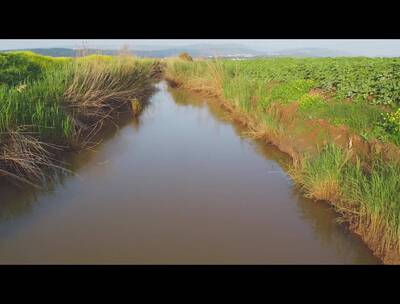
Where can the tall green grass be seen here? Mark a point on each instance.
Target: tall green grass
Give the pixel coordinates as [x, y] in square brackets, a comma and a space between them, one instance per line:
[47, 101]
[37, 105]
[375, 190]
[368, 191]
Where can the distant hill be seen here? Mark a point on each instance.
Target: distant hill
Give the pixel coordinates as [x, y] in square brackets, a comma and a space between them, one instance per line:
[311, 52]
[199, 50]
[63, 52]
[194, 51]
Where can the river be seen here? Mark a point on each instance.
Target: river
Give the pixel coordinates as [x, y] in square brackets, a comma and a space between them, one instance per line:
[180, 185]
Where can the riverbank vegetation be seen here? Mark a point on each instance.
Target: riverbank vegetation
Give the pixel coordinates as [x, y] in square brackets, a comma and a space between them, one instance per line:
[338, 118]
[52, 105]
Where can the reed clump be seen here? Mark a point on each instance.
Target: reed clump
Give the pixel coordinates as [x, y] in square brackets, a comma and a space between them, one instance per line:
[59, 105]
[136, 106]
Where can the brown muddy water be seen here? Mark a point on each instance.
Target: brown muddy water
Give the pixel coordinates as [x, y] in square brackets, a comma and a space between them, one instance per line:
[179, 186]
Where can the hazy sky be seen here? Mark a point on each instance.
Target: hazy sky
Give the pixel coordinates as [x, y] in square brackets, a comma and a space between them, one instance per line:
[364, 47]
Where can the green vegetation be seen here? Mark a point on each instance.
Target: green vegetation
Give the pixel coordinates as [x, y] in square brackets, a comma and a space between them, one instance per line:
[47, 101]
[356, 90]
[37, 104]
[339, 119]
[19, 67]
[391, 124]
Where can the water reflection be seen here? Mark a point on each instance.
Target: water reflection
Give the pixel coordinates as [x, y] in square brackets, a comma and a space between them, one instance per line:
[15, 201]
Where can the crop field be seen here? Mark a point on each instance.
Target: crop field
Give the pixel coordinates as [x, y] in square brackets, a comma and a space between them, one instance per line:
[339, 119]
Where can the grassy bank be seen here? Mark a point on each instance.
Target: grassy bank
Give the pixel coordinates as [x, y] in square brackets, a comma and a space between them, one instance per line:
[52, 105]
[338, 119]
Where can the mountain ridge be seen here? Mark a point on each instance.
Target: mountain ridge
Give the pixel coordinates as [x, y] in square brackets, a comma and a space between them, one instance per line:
[198, 50]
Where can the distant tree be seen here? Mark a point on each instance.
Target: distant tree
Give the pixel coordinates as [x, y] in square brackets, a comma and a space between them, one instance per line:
[185, 56]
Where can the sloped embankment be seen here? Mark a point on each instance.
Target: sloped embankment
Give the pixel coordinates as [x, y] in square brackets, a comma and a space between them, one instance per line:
[355, 171]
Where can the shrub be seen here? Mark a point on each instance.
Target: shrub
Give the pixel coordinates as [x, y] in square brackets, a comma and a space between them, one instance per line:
[391, 124]
[291, 91]
[308, 101]
[15, 69]
[185, 56]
